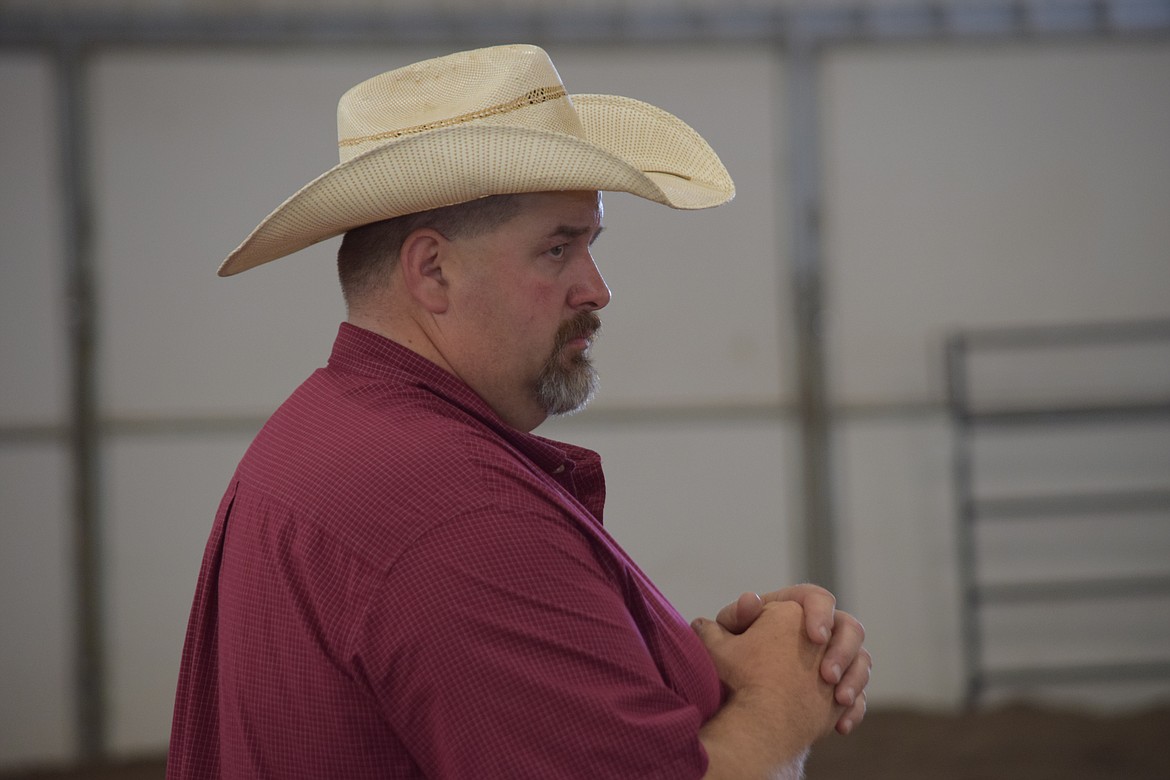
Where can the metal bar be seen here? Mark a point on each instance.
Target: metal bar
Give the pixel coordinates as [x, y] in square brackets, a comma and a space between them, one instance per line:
[964, 479]
[77, 235]
[820, 544]
[1098, 588]
[1074, 673]
[1069, 334]
[1027, 507]
[1083, 414]
[599, 413]
[34, 432]
[385, 26]
[249, 424]
[838, 23]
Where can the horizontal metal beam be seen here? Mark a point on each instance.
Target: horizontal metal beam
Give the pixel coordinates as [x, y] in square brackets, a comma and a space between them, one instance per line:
[1078, 414]
[1067, 505]
[598, 414]
[1031, 676]
[1000, 593]
[809, 24]
[1069, 335]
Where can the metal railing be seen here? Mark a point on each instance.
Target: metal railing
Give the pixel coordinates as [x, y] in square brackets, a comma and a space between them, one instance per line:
[976, 509]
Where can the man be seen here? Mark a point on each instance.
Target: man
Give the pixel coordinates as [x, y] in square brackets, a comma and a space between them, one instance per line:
[402, 580]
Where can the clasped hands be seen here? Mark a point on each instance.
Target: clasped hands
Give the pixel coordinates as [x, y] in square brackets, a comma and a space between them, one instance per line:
[836, 637]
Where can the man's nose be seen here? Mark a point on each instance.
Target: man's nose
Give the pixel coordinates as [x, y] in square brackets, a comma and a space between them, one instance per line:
[592, 292]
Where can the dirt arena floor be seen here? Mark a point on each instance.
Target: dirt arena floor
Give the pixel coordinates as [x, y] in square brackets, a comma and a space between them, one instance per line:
[1012, 743]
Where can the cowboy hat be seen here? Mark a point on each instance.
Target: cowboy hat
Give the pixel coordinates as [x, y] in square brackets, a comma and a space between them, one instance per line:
[484, 122]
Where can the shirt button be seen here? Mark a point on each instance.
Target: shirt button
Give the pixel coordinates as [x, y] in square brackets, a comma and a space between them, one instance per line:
[559, 469]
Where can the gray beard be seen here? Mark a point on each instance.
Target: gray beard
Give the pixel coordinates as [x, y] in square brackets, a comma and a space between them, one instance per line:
[565, 389]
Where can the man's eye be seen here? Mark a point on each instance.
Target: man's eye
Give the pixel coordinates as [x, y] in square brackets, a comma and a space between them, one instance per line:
[559, 251]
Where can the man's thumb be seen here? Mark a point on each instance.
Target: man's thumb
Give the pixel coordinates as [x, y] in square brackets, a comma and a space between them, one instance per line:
[709, 631]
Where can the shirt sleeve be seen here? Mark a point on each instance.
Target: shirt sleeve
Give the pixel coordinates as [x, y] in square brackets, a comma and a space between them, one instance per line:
[501, 644]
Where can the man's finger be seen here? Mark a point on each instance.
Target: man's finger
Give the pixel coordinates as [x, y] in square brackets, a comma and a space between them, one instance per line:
[709, 631]
[819, 608]
[844, 647]
[852, 716]
[741, 613]
[855, 679]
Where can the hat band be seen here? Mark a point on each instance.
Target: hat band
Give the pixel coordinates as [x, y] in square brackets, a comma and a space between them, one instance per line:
[531, 98]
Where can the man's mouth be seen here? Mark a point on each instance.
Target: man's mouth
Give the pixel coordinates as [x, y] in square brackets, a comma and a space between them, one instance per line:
[581, 342]
[577, 334]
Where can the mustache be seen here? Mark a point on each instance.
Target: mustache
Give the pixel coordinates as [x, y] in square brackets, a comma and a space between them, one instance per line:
[583, 324]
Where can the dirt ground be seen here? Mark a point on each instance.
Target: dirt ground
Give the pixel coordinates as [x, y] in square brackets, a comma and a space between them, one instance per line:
[1013, 743]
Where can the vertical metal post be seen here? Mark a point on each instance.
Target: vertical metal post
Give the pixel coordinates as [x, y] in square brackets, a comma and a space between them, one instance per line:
[815, 428]
[83, 429]
[960, 408]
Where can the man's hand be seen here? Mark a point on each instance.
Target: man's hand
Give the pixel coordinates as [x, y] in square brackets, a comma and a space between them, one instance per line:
[846, 663]
[778, 703]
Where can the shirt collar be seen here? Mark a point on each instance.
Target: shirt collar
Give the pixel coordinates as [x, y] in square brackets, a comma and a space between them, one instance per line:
[364, 352]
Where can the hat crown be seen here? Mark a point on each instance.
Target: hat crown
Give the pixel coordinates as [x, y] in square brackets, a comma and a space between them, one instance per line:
[506, 85]
[477, 123]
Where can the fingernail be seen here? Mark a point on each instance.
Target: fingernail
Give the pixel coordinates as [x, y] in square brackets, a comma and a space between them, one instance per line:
[850, 697]
[846, 726]
[836, 673]
[824, 633]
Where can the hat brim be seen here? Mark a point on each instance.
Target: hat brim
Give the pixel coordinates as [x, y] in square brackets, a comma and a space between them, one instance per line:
[628, 146]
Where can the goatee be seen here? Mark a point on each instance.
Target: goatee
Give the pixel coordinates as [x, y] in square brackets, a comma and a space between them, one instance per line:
[567, 383]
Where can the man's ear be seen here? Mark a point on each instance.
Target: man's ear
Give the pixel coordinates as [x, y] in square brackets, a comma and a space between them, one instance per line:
[420, 262]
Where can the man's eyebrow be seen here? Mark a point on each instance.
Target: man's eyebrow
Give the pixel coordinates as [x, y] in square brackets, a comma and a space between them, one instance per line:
[571, 232]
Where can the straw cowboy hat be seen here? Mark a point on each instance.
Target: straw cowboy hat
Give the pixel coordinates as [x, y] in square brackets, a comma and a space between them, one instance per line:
[478, 123]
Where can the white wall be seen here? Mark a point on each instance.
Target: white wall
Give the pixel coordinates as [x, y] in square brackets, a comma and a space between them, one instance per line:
[36, 606]
[964, 186]
[975, 186]
[998, 185]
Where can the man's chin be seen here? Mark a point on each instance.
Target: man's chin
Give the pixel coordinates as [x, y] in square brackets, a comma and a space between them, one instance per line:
[570, 412]
[570, 391]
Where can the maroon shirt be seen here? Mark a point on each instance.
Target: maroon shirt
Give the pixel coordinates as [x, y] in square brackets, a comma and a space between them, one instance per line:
[399, 585]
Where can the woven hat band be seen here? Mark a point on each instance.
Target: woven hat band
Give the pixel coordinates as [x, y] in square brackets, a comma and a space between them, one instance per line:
[532, 97]
[504, 85]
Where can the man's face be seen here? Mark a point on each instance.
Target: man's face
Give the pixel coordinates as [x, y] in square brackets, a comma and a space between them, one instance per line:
[523, 298]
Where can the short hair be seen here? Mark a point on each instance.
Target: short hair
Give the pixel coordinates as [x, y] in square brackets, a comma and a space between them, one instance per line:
[370, 252]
